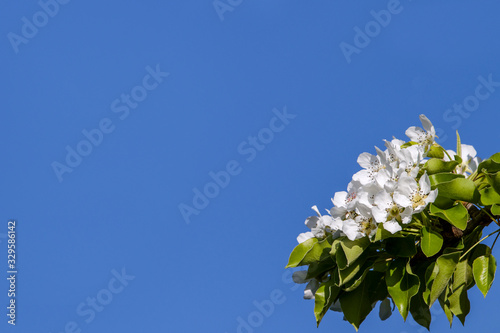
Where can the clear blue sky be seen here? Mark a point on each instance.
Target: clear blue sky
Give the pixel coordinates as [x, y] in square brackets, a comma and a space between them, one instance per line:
[103, 151]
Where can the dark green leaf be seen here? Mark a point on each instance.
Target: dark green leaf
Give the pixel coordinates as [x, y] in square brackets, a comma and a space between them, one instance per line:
[401, 246]
[325, 296]
[318, 268]
[385, 310]
[418, 308]
[354, 282]
[443, 301]
[402, 285]
[357, 304]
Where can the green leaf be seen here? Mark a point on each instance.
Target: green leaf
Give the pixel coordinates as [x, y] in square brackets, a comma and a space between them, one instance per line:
[357, 304]
[478, 251]
[494, 180]
[443, 202]
[353, 249]
[495, 209]
[430, 275]
[458, 301]
[436, 151]
[443, 301]
[340, 258]
[437, 165]
[309, 251]
[348, 273]
[385, 310]
[462, 277]
[459, 304]
[491, 164]
[318, 268]
[459, 189]
[484, 268]
[401, 246]
[420, 311]
[402, 285]
[446, 264]
[489, 196]
[443, 177]
[432, 241]
[352, 283]
[418, 308]
[325, 296]
[456, 215]
[459, 145]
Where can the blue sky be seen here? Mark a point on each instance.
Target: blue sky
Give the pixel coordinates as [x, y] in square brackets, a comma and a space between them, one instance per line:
[115, 114]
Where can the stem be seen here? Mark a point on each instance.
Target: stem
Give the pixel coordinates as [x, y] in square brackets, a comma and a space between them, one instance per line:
[488, 213]
[494, 242]
[451, 159]
[473, 246]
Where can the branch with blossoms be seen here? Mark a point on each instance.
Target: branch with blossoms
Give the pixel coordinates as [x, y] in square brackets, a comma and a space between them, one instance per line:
[407, 232]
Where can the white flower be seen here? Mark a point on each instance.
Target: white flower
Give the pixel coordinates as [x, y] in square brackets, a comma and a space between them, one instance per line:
[311, 289]
[409, 194]
[319, 226]
[367, 225]
[345, 201]
[424, 137]
[304, 236]
[469, 160]
[352, 229]
[390, 213]
[373, 168]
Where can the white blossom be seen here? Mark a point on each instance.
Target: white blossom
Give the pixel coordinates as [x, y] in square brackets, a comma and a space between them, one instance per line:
[424, 137]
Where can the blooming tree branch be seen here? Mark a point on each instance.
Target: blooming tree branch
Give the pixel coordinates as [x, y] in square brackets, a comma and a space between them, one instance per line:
[407, 231]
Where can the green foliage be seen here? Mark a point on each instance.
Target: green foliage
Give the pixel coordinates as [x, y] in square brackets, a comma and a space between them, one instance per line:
[438, 256]
[402, 285]
[432, 241]
[309, 252]
[484, 269]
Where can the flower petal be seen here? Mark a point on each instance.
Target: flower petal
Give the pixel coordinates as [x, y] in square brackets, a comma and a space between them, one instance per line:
[392, 226]
[311, 289]
[304, 236]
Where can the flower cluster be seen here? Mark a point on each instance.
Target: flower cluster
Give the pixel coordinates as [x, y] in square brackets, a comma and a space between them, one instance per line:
[408, 231]
[391, 187]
